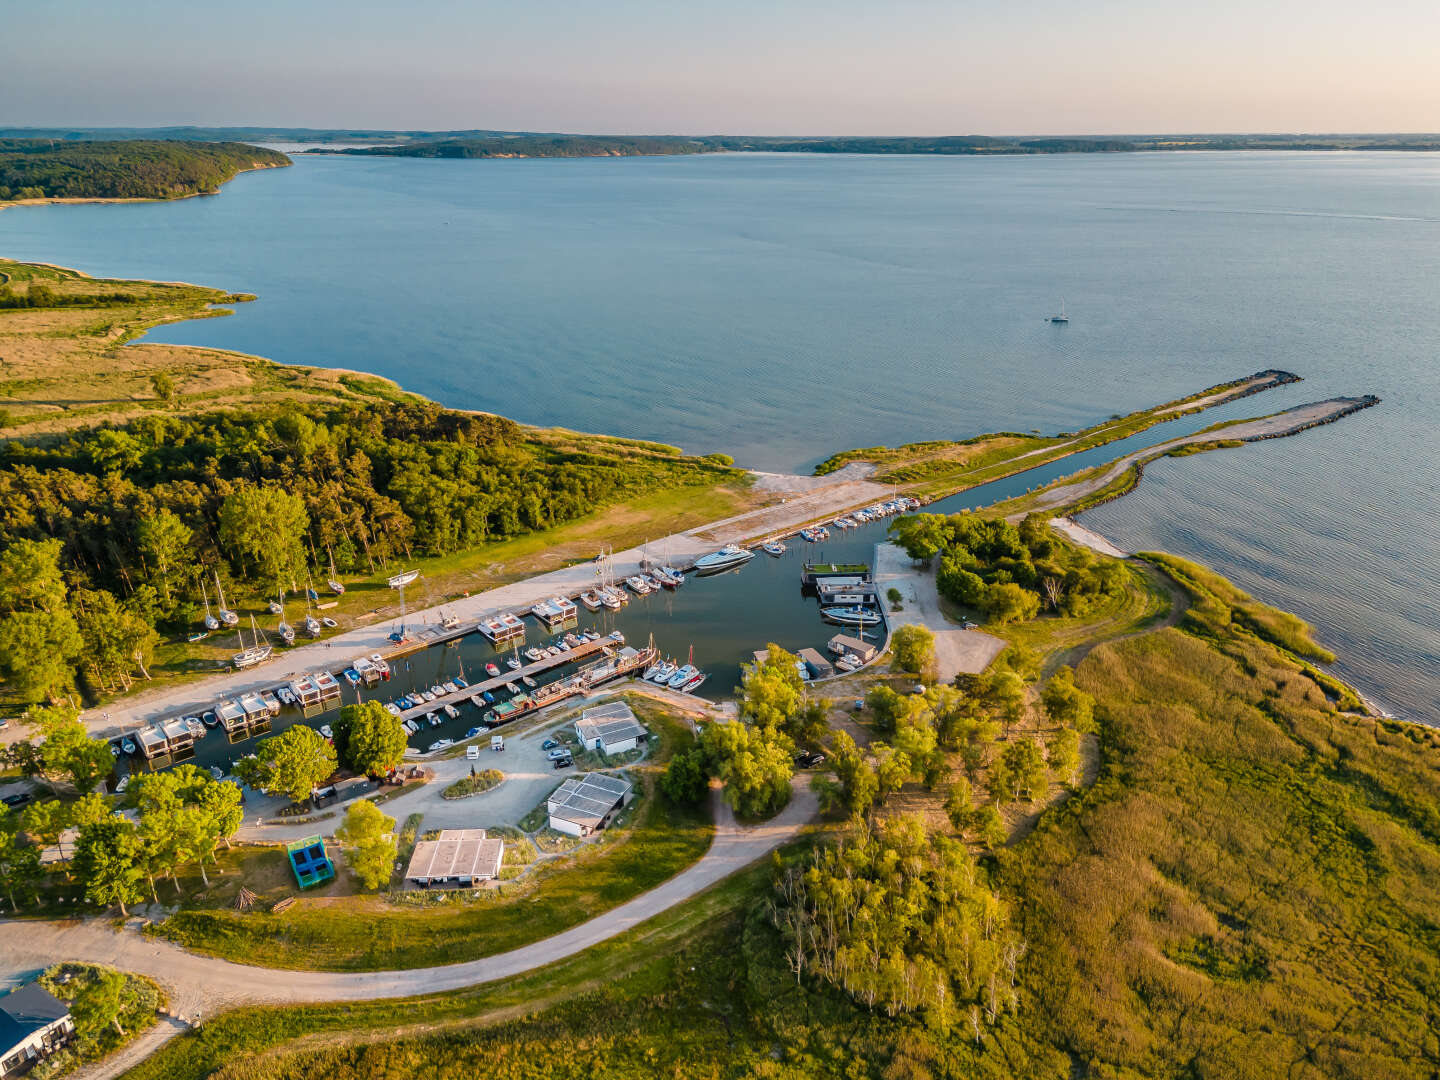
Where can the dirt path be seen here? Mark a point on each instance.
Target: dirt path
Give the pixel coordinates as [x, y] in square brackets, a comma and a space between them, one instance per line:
[205, 985]
[1074, 654]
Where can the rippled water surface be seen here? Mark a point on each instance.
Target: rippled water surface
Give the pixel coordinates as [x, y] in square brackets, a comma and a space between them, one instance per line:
[783, 307]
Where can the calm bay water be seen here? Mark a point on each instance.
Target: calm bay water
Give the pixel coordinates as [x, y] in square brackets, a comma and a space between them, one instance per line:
[782, 307]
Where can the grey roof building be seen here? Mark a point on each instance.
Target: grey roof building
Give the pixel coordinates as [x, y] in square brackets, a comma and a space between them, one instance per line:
[611, 728]
[34, 1023]
[583, 804]
[458, 856]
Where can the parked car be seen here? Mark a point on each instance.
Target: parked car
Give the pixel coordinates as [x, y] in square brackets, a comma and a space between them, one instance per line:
[472, 752]
[557, 754]
[549, 744]
[562, 762]
[808, 760]
[20, 798]
[497, 742]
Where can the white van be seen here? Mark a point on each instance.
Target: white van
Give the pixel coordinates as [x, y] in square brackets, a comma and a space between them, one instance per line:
[497, 742]
[472, 752]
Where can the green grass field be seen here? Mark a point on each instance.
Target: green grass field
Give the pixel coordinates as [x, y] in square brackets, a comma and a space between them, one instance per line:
[365, 933]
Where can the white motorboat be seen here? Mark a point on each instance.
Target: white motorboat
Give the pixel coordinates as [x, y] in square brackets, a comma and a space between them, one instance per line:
[851, 616]
[683, 676]
[726, 558]
[773, 547]
[667, 669]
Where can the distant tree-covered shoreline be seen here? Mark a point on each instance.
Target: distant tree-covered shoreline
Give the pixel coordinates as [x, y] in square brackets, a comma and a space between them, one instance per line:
[126, 169]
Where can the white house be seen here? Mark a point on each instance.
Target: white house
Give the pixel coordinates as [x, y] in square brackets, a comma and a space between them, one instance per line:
[461, 857]
[34, 1023]
[610, 728]
[583, 804]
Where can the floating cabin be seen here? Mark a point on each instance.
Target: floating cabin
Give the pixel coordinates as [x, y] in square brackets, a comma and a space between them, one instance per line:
[812, 574]
[820, 668]
[173, 737]
[611, 728]
[840, 644]
[556, 611]
[846, 589]
[308, 859]
[502, 628]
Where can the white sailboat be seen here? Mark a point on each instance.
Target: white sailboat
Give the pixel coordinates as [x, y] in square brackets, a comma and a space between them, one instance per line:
[228, 617]
[287, 632]
[211, 622]
[256, 653]
[1062, 317]
[334, 583]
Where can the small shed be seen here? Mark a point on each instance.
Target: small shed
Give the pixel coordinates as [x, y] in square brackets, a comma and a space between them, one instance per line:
[840, 644]
[820, 668]
[309, 861]
[34, 1023]
[611, 728]
[585, 804]
[461, 857]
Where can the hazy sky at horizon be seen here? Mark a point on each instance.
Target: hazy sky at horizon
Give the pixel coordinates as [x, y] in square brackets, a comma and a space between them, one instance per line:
[788, 66]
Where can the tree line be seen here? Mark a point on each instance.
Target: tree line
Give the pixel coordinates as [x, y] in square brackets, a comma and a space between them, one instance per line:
[125, 169]
[111, 534]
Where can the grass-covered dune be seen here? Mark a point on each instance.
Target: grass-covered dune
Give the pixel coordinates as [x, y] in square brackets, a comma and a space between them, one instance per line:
[123, 169]
[1248, 889]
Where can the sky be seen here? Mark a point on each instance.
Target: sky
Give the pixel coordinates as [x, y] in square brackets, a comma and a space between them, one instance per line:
[834, 67]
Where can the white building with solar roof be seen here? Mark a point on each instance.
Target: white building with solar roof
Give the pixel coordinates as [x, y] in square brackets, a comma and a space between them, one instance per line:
[585, 804]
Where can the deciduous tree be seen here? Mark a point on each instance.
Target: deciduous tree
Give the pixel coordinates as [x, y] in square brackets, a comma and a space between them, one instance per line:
[368, 739]
[266, 526]
[685, 780]
[1066, 704]
[292, 764]
[20, 869]
[108, 859]
[754, 765]
[913, 650]
[369, 836]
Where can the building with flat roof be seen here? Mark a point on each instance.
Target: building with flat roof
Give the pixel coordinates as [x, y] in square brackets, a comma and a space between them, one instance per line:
[840, 644]
[820, 668]
[34, 1023]
[456, 857]
[611, 728]
[585, 804]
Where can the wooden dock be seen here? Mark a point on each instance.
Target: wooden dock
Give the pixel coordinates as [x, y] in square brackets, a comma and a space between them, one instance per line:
[475, 691]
